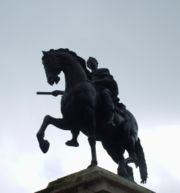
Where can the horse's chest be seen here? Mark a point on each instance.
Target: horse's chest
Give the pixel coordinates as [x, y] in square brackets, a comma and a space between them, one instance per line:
[73, 106]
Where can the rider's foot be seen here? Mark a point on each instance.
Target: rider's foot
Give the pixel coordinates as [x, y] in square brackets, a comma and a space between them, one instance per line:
[72, 143]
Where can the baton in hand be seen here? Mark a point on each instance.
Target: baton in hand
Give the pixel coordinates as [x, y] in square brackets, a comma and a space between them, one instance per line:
[54, 93]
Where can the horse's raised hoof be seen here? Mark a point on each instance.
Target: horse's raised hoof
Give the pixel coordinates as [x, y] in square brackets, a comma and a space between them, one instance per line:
[44, 145]
[72, 143]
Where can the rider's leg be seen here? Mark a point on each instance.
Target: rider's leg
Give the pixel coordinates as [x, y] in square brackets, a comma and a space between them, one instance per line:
[73, 141]
[109, 106]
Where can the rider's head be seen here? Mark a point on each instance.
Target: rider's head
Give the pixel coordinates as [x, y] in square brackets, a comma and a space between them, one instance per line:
[92, 63]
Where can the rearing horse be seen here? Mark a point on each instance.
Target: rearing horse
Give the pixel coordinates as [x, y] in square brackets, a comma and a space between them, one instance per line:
[83, 110]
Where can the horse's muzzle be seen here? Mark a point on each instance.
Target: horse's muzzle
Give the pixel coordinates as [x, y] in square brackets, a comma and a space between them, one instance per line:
[53, 79]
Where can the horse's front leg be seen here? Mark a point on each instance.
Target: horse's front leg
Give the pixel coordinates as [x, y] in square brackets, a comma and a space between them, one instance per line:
[92, 137]
[60, 123]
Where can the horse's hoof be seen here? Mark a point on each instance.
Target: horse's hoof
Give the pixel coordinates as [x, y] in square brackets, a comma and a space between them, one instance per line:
[93, 164]
[44, 145]
[143, 181]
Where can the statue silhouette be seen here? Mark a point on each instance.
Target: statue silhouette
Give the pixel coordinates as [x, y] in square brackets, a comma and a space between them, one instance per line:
[84, 108]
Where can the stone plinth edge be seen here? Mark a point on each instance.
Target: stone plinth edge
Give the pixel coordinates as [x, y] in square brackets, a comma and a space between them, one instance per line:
[93, 180]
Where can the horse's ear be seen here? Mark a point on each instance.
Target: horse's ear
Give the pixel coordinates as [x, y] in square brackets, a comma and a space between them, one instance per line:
[43, 52]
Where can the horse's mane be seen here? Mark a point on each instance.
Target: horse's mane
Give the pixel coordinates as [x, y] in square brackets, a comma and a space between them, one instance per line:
[81, 61]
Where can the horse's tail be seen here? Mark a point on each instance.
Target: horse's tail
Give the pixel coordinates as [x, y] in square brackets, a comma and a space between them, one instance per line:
[141, 161]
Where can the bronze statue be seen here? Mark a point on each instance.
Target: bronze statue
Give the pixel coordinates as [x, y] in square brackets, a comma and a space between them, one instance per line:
[85, 108]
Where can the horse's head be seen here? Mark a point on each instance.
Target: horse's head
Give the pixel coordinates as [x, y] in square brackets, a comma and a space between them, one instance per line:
[55, 61]
[52, 66]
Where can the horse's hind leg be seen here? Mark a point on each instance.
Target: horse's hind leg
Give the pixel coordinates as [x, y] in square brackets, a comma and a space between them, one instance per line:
[131, 150]
[124, 170]
[60, 123]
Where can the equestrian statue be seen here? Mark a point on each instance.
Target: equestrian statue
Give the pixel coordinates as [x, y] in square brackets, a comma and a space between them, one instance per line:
[90, 105]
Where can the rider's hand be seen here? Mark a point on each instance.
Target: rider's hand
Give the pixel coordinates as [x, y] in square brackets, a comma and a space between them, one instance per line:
[55, 93]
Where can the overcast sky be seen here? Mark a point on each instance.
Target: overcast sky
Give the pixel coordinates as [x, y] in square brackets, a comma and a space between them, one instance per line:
[138, 40]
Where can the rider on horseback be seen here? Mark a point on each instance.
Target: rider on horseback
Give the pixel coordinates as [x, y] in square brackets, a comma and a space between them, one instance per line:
[108, 89]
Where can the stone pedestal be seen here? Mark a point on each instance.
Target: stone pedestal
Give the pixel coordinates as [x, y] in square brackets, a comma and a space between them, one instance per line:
[93, 180]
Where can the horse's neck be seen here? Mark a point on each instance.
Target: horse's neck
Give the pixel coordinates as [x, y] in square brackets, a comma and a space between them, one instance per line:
[74, 74]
